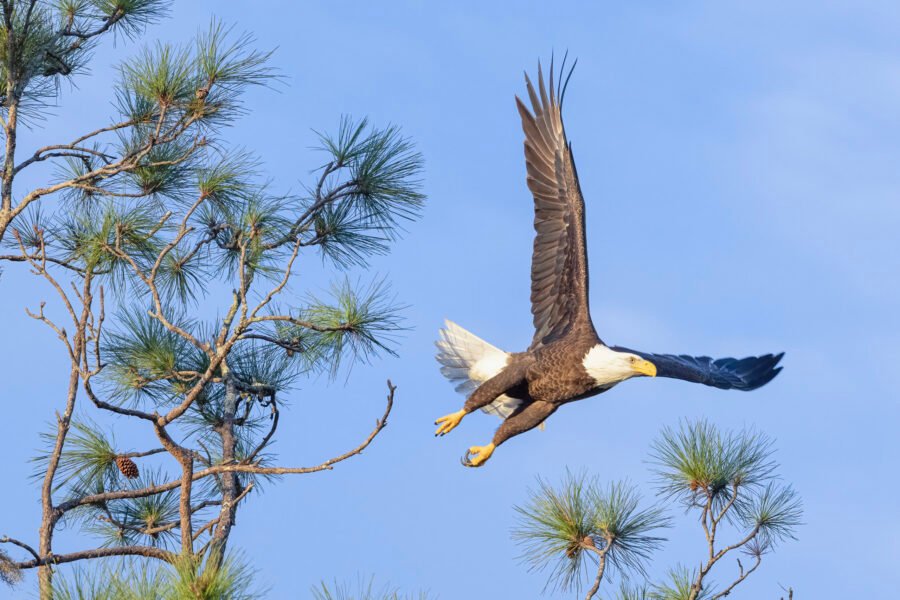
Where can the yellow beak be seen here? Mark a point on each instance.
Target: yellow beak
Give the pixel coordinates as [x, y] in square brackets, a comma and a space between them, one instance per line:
[645, 367]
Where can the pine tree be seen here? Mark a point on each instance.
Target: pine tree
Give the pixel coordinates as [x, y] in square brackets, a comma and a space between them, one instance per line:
[726, 480]
[155, 221]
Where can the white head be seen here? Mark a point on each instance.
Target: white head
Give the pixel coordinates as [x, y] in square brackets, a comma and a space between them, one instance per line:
[609, 367]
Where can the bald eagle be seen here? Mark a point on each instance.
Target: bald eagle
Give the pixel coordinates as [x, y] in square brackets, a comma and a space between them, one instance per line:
[566, 360]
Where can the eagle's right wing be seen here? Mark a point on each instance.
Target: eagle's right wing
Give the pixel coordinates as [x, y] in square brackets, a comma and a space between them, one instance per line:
[559, 275]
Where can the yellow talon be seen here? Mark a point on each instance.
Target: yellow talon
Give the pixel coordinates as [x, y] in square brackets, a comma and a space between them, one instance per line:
[478, 455]
[449, 422]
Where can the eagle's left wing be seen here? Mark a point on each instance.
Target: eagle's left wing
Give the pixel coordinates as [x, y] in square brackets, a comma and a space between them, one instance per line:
[725, 373]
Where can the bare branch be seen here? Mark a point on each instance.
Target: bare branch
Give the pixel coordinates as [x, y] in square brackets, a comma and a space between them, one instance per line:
[33, 257]
[325, 466]
[121, 410]
[742, 576]
[58, 559]
[61, 150]
[380, 424]
[8, 540]
[265, 441]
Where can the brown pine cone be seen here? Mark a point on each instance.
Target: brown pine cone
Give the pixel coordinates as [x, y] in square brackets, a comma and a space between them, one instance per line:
[127, 466]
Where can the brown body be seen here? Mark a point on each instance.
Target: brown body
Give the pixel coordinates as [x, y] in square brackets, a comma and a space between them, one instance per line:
[543, 379]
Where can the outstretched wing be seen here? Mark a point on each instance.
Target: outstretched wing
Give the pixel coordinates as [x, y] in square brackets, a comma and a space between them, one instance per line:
[726, 373]
[559, 274]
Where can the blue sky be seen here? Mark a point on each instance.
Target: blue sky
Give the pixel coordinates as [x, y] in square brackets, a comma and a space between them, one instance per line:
[739, 162]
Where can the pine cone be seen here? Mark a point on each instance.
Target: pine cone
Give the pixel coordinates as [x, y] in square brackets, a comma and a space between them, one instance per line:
[127, 467]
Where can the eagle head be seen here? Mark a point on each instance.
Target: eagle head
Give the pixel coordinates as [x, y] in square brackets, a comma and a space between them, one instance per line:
[609, 367]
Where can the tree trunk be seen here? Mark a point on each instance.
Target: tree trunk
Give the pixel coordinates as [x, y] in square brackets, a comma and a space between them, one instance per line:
[230, 482]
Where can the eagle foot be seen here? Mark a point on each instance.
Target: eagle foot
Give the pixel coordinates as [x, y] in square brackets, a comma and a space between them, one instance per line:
[449, 422]
[477, 455]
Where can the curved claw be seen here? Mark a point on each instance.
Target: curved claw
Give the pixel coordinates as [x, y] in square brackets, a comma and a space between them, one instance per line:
[476, 456]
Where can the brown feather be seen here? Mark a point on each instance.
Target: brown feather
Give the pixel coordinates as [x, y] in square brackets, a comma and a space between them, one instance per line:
[559, 288]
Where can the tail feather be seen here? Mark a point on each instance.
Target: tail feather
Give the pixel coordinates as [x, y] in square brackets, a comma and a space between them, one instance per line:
[468, 361]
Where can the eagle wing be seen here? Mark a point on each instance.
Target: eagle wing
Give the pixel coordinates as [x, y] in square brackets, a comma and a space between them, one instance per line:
[724, 373]
[559, 274]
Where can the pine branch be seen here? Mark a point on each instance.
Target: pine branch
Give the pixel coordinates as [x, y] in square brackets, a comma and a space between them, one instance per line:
[726, 477]
[327, 465]
[562, 527]
[58, 559]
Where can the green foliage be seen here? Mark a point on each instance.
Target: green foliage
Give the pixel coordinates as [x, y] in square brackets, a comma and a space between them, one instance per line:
[624, 527]
[185, 580]
[633, 592]
[699, 461]
[133, 16]
[39, 56]
[383, 185]
[677, 586]
[720, 477]
[95, 238]
[182, 276]
[108, 584]
[201, 84]
[250, 231]
[156, 217]
[228, 62]
[162, 74]
[135, 108]
[553, 527]
[133, 521]
[228, 579]
[54, 40]
[165, 171]
[345, 237]
[365, 590]
[356, 321]
[263, 366]
[30, 228]
[226, 180]
[146, 359]
[733, 475]
[562, 529]
[87, 461]
[776, 511]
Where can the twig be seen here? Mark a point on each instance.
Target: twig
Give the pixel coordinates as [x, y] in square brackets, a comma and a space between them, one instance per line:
[742, 577]
[8, 540]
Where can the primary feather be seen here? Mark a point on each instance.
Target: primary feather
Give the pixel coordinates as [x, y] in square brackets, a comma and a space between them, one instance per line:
[744, 374]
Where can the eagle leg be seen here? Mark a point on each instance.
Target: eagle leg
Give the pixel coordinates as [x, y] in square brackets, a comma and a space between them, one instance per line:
[526, 417]
[477, 455]
[449, 422]
[486, 393]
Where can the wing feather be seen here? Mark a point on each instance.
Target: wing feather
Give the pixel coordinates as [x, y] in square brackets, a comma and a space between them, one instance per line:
[559, 284]
[725, 373]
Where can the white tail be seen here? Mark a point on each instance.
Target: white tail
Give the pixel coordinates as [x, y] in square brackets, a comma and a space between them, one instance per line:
[468, 361]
